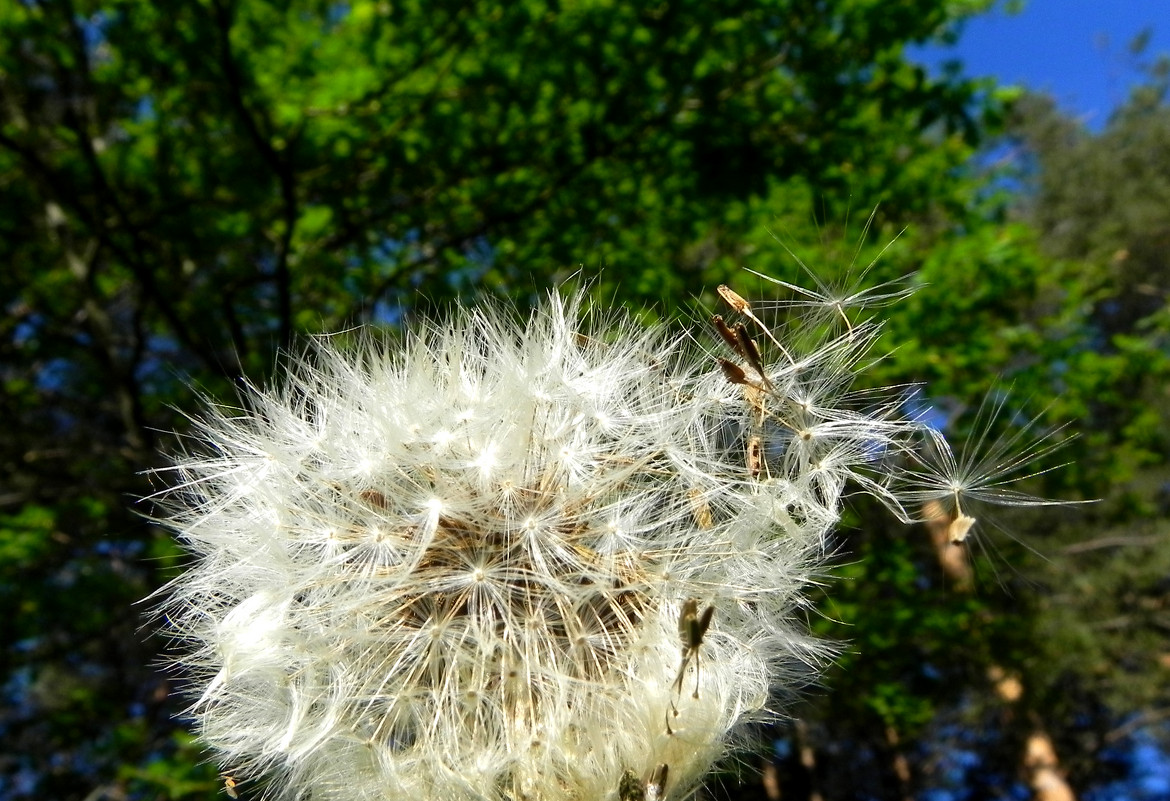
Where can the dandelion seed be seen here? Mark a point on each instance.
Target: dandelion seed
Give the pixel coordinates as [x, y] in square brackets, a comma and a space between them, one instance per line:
[656, 785]
[734, 373]
[701, 510]
[838, 300]
[834, 301]
[751, 352]
[729, 336]
[755, 457]
[374, 498]
[982, 472]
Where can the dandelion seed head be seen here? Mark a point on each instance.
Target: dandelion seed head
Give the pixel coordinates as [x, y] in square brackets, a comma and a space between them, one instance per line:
[454, 568]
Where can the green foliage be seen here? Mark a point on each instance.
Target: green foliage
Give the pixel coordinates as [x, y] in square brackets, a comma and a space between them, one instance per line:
[264, 163]
[180, 773]
[913, 644]
[1098, 204]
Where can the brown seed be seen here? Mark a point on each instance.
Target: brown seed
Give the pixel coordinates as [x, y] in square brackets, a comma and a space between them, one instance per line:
[736, 302]
[726, 333]
[755, 457]
[700, 509]
[733, 372]
[751, 352]
[374, 498]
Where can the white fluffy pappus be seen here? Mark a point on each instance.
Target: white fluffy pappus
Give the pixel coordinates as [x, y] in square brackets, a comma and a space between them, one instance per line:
[457, 567]
[555, 560]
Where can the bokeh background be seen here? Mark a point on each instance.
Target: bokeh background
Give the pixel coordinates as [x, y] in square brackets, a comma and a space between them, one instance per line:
[187, 189]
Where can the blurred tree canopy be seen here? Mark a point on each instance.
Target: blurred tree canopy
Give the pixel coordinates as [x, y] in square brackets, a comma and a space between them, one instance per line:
[190, 187]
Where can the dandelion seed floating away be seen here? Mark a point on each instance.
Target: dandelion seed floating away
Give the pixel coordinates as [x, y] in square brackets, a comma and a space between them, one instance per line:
[949, 485]
[460, 567]
[832, 302]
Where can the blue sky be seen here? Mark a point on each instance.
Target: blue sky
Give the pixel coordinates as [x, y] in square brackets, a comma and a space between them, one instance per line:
[1078, 50]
